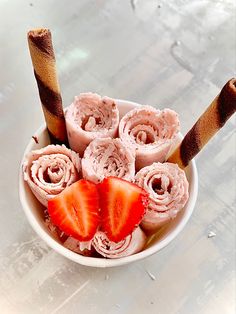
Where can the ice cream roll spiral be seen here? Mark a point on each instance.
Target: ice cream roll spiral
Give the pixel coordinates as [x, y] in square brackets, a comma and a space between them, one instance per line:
[105, 157]
[49, 170]
[167, 187]
[130, 245]
[150, 132]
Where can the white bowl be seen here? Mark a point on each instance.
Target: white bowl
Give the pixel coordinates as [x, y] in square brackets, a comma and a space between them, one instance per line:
[34, 211]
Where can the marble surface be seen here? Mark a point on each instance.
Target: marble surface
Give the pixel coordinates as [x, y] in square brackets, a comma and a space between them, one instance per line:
[177, 54]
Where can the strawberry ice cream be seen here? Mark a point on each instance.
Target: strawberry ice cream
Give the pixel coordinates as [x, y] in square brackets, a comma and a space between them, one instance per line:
[90, 116]
[82, 248]
[167, 186]
[106, 157]
[150, 132]
[132, 244]
[49, 170]
[110, 211]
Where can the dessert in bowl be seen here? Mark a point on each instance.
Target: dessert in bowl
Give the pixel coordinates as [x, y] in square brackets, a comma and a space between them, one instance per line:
[153, 242]
[125, 188]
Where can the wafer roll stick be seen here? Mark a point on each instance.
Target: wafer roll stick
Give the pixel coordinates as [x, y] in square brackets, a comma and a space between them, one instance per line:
[210, 122]
[44, 63]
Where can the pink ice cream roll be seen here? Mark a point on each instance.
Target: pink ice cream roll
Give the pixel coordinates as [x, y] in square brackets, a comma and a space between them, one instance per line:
[82, 248]
[106, 157]
[167, 186]
[49, 170]
[151, 132]
[90, 116]
[132, 244]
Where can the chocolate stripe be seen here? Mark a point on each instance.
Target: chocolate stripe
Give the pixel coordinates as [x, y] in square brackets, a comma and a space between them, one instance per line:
[226, 104]
[42, 39]
[55, 140]
[189, 146]
[51, 100]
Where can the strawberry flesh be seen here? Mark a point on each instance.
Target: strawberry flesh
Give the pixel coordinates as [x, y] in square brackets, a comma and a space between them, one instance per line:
[123, 205]
[76, 210]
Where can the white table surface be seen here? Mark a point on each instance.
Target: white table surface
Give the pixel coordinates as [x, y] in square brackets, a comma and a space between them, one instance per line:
[177, 54]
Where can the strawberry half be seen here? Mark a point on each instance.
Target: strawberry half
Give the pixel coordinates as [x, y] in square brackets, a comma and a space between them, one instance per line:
[123, 205]
[76, 210]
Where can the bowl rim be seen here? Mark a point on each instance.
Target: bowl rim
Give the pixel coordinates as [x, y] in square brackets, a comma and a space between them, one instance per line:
[103, 262]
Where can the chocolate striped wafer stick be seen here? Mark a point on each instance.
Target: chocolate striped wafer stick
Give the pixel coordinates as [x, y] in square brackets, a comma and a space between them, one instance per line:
[210, 122]
[44, 63]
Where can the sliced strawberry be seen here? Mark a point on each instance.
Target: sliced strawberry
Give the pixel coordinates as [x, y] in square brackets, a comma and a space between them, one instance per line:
[76, 210]
[123, 205]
